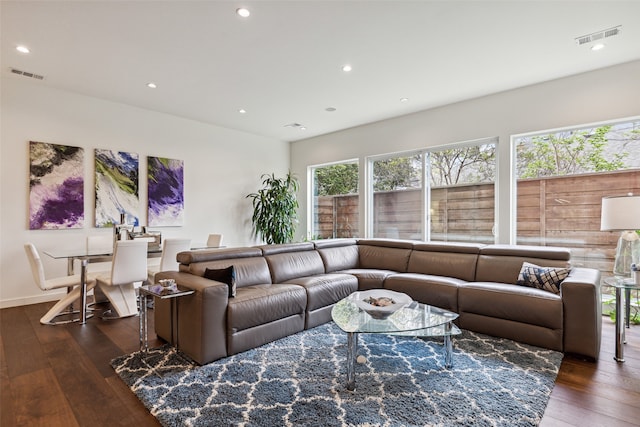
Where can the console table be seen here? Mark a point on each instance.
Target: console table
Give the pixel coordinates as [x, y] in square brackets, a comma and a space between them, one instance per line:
[157, 291]
[625, 284]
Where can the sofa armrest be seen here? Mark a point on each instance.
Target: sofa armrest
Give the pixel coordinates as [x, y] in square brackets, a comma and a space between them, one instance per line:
[582, 308]
[202, 316]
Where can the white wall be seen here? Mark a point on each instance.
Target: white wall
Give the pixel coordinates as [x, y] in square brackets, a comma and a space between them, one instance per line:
[606, 94]
[221, 167]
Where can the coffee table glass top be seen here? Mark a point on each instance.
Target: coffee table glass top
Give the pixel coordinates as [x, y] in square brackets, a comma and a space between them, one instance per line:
[413, 317]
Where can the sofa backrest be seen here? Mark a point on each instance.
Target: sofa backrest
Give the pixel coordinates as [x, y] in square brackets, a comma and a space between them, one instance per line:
[289, 261]
[382, 254]
[249, 265]
[445, 259]
[502, 263]
[338, 254]
[189, 257]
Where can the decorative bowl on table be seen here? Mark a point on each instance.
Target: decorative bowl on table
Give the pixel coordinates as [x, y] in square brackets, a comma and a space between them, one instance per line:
[381, 303]
[165, 286]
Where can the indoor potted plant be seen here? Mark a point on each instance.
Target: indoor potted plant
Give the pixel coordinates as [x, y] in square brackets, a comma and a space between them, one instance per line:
[275, 209]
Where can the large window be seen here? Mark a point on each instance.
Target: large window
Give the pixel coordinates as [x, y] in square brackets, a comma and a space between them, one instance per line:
[335, 203]
[462, 197]
[456, 204]
[561, 179]
[398, 203]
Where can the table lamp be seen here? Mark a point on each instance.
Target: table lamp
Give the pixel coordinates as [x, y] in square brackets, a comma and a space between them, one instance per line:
[622, 213]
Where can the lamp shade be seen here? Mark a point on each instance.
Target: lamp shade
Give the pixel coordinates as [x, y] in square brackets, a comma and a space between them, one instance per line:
[620, 213]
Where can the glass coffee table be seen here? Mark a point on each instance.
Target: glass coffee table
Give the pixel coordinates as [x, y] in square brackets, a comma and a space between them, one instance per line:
[416, 319]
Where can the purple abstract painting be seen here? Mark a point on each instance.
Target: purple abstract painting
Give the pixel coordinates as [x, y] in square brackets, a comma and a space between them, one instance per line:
[56, 186]
[166, 191]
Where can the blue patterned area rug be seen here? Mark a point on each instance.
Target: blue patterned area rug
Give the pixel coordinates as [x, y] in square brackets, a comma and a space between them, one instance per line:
[300, 381]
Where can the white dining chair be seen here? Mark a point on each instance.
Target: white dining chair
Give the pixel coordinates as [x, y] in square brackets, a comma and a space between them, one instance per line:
[168, 262]
[99, 243]
[71, 283]
[214, 240]
[129, 266]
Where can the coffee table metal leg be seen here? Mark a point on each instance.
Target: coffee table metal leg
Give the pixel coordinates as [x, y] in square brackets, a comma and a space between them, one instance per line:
[448, 346]
[352, 348]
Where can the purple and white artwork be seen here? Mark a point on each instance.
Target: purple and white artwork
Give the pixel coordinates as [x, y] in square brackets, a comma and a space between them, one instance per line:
[116, 187]
[166, 191]
[56, 186]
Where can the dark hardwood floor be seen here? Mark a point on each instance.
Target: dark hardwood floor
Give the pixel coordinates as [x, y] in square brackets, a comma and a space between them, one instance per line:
[60, 376]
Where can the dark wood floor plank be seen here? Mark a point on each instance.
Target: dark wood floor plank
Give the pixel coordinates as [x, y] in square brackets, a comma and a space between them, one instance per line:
[577, 416]
[140, 415]
[84, 386]
[23, 353]
[96, 346]
[7, 412]
[39, 401]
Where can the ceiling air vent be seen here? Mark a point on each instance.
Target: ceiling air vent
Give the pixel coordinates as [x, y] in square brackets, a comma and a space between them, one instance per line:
[598, 35]
[27, 74]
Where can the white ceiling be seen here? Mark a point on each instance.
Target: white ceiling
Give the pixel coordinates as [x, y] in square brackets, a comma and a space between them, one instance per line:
[283, 63]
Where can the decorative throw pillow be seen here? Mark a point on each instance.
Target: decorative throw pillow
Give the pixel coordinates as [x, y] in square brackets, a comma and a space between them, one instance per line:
[545, 278]
[224, 275]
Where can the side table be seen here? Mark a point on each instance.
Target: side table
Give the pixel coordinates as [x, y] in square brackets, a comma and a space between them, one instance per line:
[157, 291]
[623, 311]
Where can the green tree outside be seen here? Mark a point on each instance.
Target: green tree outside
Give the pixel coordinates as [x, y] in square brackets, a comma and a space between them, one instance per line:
[568, 153]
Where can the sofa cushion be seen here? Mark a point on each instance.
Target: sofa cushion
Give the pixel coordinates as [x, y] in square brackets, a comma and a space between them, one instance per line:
[339, 258]
[517, 303]
[289, 265]
[326, 289]
[445, 259]
[502, 263]
[384, 257]
[260, 304]
[368, 278]
[439, 291]
[224, 275]
[248, 271]
[545, 278]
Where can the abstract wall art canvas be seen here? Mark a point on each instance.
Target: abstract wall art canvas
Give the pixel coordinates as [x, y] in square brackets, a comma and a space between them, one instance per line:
[166, 191]
[116, 187]
[56, 186]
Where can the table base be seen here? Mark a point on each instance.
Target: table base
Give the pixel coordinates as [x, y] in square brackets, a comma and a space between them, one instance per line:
[446, 331]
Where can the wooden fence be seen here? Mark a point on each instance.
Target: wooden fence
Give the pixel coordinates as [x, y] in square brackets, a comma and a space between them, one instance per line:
[559, 211]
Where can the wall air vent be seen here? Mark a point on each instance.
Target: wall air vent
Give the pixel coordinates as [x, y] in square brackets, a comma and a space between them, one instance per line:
[27, 74]
[598, 35]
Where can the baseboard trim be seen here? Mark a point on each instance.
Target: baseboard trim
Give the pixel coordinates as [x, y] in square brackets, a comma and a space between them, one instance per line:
[36, 299]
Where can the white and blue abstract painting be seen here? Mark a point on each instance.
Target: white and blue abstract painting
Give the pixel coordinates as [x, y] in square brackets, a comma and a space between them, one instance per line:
[56, 186]
[116, 187]
[165, 191]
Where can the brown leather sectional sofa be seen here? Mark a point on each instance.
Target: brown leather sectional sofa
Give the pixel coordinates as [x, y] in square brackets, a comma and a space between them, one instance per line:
[283, 289]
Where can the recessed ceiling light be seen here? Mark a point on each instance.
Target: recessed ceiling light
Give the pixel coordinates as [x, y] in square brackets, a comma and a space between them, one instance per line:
[152, 85]
[330, 109]
[295, 126]
[404, 99]
[242, 111]
[597, 46]
[346, 68]
[243, 11]
[22, 49]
